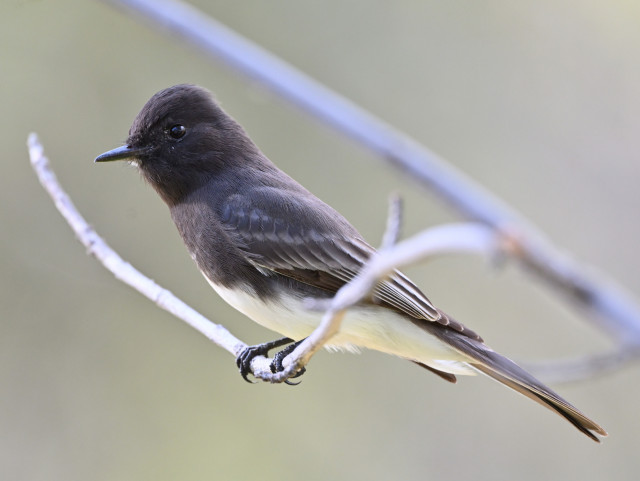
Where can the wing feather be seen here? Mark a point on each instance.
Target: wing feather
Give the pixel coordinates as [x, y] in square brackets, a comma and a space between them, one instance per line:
[313, 252]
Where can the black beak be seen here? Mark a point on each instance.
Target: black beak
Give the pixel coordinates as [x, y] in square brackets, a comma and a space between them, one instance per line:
[121, 153]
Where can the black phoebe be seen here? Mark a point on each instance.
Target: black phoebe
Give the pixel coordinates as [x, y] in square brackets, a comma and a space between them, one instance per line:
[265, 243]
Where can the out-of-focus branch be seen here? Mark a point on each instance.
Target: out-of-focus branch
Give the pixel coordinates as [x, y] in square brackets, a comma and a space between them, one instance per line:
[607, 305]
[581, 368]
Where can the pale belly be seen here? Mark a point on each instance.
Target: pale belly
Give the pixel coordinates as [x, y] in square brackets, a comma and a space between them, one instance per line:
[368, 327]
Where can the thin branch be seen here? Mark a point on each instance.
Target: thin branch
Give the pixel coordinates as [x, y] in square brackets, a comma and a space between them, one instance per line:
[394, 222]
[461, 238]
[124, 271]
[607, 305]
[434, 241]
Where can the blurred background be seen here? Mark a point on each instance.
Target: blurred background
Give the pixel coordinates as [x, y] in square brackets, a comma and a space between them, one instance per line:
[537, 101]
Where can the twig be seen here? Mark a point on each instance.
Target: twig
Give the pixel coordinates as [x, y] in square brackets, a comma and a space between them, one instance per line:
[122, 269]
[394, 222]
[439, 240]
[611, 310]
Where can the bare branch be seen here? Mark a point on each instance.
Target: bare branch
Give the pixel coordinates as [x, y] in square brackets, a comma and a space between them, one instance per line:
[461, 238]
[439, 240]
[394, 222]
[122, 269]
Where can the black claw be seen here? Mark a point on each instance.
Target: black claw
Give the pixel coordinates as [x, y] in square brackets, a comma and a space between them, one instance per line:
[243, 361]
[298, 374]
[276, 365]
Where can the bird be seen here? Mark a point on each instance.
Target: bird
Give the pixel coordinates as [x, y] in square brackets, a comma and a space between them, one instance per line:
[266, 244]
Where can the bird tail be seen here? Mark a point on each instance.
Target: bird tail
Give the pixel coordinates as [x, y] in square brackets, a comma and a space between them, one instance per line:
[507, 372]
[521, 381]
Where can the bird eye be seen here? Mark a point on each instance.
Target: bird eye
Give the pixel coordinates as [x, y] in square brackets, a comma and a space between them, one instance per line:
[177, 131]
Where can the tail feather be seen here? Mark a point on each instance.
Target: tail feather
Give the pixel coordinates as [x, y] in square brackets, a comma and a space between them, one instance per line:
[487, 361]
[541, 394]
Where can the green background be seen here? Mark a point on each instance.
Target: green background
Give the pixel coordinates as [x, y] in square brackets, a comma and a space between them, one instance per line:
[537, 101]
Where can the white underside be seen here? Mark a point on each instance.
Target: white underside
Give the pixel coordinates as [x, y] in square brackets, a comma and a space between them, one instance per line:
[362, 327]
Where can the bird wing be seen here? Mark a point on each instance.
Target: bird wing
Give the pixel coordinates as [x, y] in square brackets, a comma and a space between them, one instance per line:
[320, 249]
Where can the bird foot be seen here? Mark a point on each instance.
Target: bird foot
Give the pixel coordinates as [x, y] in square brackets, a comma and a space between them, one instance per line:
[243, 361]
[276, 365]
